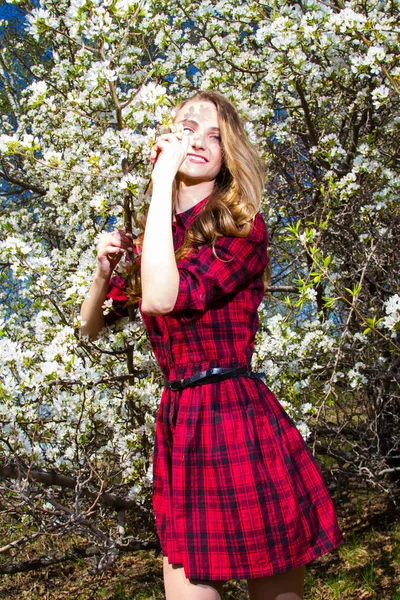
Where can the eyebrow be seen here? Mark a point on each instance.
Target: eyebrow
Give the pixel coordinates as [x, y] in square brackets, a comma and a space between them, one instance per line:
[191, 122]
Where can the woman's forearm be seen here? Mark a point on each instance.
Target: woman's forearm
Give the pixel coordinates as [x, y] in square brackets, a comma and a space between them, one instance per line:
[92, 308]
[159, 273]
[110, 248]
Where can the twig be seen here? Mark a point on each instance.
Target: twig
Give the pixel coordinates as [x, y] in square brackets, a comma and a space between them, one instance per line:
[64, 481]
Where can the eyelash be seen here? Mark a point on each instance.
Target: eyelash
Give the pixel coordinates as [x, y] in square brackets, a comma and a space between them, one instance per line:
[215, 137]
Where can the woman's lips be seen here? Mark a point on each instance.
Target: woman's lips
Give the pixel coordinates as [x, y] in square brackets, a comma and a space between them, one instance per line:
[195, 158]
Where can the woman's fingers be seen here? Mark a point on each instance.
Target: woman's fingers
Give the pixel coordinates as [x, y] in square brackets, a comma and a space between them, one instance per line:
[115, 238]
[165, 140]
[170, 151]
[110, 249]
[161, 144]
[113, 244]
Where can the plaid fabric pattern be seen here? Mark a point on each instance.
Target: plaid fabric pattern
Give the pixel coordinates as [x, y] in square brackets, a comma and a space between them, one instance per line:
[237, 493]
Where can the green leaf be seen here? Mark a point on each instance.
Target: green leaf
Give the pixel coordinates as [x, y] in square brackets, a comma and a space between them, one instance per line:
[371, 322]
[328, 301]
[327, 261]
[355, 291]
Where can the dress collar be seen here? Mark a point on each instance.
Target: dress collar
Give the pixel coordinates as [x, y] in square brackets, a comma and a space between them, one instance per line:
[186, 218]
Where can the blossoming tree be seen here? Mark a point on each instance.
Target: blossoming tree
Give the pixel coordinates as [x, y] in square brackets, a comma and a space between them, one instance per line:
[85, 91]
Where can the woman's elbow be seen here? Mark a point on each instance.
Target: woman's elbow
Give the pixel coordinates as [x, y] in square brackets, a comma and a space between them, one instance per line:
[87, 332]
[158, 298]
[154, 308]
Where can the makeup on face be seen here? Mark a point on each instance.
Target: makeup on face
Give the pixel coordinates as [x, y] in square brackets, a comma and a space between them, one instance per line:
[199, 120]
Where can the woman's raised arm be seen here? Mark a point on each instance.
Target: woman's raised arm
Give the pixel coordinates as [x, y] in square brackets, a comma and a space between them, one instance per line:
[110, 248]
[160, 276]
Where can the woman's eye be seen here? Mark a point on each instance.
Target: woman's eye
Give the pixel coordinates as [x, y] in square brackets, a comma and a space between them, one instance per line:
[187, 130]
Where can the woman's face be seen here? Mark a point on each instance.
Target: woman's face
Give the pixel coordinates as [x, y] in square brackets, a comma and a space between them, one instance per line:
[203, 162]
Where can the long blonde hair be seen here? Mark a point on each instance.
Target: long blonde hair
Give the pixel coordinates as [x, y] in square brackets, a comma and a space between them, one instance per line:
[236, 197]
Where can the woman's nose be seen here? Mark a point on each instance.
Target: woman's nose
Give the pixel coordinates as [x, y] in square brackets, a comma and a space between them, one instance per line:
[197, 141]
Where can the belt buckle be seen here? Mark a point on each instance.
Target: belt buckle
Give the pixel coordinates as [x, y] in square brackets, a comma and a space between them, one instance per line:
[176, 384]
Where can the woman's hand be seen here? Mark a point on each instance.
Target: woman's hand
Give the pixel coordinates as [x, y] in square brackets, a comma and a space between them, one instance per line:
[167, 155]
[110, 249]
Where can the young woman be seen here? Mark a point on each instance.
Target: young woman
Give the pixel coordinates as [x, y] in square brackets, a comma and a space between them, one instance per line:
[237, 494]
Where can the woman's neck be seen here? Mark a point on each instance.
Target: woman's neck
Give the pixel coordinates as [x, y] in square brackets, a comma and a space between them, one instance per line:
[190, 195]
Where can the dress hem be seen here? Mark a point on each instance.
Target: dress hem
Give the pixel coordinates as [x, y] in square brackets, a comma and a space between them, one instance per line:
[304, 560]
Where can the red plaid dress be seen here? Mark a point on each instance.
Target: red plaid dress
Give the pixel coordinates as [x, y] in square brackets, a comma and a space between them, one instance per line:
[237, 493]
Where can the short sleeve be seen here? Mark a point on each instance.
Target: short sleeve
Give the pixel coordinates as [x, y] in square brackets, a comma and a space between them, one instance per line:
[207, 276]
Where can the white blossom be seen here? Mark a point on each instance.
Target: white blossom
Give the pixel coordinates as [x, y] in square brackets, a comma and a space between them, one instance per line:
[392, 308]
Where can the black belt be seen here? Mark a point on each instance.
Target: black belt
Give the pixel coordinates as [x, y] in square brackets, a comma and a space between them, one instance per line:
[210, 376]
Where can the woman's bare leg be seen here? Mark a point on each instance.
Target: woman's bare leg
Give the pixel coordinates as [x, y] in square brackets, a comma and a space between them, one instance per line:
[285, 586]
[178, 587]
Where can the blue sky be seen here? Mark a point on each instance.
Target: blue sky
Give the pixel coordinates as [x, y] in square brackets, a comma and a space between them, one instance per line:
[9, 11]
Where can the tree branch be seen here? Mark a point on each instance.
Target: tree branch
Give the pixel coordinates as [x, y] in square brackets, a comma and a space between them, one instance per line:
[64, 481]
[73, 554]
[22, 184]
[282, 288]
[307, 114]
